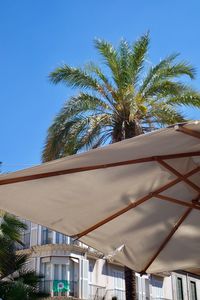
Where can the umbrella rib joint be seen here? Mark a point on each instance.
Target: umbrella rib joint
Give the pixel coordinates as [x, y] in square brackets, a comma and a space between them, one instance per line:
[193, 205]
[167, 239]
[179, 175]
[172, 232]
[155, 193]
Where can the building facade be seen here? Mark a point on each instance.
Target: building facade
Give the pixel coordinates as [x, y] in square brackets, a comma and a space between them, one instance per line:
[72, 269]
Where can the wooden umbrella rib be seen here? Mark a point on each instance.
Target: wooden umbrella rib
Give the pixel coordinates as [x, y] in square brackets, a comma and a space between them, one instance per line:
[110, 218]
[188, 131]
[196, 200]
[180, 202]
[177, 155]
[133, 205]
[95, 167]
[167, 239]
[179, 175]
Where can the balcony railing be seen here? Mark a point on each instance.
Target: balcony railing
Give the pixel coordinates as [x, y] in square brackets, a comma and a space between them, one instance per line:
[100, 293]
[96, 292]
[115, 294]
[47, 286]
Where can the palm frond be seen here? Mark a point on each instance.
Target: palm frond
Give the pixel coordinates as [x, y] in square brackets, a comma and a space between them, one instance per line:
[124, 64]
[17, 290]
[10, 261]
[83, 103]
[73, 77]
[16, 281]
[11, 227]
[166, 88]
[166, 72]
[178, 69]
[110, 57]
[70, 121]
[75, 134]
[153, 72]
[107, 87]
[93, 68]
[56, 138]
[188, 98]
[30, 278]
[165, 114]
[137, 57]
[93, 132]
[103, 139]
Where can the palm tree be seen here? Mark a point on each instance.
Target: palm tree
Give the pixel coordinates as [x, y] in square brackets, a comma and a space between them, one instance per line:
[17, 282]
[128, 99]
[122, 99]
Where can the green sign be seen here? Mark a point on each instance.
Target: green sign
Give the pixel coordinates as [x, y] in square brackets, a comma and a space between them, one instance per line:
[61, 286]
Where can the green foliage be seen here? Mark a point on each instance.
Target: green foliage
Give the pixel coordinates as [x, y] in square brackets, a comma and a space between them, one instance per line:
[121, 99]
[11, 228]
[17, 282]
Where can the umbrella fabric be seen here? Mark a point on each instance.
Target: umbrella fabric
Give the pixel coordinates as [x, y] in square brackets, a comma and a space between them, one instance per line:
[137, 201]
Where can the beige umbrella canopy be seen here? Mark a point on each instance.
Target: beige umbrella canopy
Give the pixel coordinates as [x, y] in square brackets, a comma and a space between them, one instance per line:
[136, 201]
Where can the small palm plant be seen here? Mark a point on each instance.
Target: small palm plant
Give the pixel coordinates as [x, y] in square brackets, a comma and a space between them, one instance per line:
[17, 281]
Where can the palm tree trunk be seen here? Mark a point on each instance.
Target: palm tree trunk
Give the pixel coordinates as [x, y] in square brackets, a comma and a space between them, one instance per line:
[132, 129]
[130, 284]
[126, 130]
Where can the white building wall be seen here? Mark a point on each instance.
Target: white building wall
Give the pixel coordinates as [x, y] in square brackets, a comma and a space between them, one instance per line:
[168, 288]
[94, 275]
[187, 281]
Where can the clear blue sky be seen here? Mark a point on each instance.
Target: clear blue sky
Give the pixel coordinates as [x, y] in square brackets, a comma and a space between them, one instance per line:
[38, 35]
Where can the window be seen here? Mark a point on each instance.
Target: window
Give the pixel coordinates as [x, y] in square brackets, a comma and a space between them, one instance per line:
[56, 272]
[47, 236]
[60, 238]
[46, 270]
[26, 239]
[156, 286]
[179, 289]
[118, 277]
[57, 238]
[28, 224]
[193, 290]
[64, 272]
[25, 235]
[91, 270]
[64, 239]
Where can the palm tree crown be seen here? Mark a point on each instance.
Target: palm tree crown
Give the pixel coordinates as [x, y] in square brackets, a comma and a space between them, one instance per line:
[124, 99]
